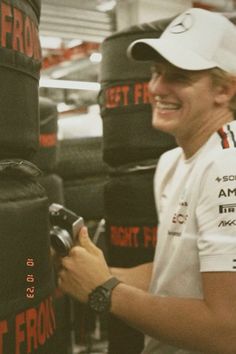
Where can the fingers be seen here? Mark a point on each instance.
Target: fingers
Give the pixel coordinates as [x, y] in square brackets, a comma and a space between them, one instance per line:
[83, 233]
[85, 241]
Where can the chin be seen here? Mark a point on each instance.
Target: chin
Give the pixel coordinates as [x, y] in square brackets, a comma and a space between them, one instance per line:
[164, 127]
[167, 123]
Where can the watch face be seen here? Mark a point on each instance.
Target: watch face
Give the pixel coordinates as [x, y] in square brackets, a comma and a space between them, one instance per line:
[99, 300]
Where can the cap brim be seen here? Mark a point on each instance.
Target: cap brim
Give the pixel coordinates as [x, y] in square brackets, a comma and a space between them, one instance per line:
[152, 49]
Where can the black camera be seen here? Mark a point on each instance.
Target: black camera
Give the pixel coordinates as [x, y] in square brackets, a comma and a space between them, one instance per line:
[65, 226]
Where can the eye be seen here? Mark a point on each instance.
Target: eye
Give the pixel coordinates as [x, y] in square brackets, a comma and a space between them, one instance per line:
[178, 77]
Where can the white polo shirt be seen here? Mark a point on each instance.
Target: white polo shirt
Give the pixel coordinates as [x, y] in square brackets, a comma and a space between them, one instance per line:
[196, 205]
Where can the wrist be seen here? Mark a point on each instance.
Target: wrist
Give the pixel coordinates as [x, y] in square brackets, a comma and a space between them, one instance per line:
[99, 299]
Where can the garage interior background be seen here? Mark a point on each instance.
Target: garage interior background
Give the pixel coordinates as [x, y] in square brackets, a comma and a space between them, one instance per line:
[71, 32]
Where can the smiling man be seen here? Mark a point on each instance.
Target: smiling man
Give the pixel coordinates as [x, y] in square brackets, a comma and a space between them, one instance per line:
[185, 302]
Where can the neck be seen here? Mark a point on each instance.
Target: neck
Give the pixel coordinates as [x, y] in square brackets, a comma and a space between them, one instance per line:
[192, 142]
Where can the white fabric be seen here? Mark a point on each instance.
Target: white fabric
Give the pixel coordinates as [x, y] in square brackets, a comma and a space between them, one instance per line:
[195, 40]
[196, 204]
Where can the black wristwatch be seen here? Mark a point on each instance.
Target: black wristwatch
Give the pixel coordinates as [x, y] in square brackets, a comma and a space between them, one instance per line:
[99, 299]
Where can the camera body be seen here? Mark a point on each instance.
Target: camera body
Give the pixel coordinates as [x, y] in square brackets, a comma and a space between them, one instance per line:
[65, 226]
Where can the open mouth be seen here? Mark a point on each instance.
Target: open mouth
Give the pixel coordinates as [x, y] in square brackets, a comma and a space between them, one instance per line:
[167, 106]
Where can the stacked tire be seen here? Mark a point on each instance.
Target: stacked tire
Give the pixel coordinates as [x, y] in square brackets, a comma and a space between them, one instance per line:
[84, 174]
[128, 136]
[46, 159]
[28, 322]
[131, 148]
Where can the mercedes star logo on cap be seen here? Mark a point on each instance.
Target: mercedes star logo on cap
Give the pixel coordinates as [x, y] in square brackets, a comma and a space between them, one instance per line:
[182, 24]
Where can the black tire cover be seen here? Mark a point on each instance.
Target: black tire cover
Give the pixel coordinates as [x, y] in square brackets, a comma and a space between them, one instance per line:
[20, 63]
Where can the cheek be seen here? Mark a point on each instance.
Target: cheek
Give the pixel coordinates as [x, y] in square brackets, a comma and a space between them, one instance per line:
[221, 98]
[151, 88]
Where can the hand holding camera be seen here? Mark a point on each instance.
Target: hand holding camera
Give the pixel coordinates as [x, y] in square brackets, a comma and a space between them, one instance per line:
[84, 269]
[65, 226]
[83, 273]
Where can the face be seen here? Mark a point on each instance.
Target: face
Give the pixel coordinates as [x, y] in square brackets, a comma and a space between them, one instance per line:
[183, 101]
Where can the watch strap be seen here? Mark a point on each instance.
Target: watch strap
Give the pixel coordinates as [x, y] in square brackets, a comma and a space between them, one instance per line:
[110, 283]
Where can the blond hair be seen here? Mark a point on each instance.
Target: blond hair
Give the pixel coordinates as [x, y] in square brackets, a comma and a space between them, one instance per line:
[220, 77]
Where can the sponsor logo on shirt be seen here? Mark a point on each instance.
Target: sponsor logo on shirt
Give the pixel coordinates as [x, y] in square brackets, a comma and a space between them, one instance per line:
[227, 193]
[226, 178]
[174, 233]
[183, 204]
[231, 222]
[179, 218]
[227, 208]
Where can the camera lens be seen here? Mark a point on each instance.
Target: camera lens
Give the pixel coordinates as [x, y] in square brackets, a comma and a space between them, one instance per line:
[61, 240]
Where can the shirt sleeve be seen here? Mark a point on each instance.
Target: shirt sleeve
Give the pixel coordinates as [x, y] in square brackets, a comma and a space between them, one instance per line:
[216, 214]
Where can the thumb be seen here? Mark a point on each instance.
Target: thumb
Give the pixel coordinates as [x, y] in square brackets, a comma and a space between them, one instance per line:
[85, 241]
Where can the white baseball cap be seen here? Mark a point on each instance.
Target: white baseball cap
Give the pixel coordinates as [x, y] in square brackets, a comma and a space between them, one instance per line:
[195, 40]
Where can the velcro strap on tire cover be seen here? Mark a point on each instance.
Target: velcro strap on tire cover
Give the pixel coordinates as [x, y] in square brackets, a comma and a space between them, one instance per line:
[27, 318]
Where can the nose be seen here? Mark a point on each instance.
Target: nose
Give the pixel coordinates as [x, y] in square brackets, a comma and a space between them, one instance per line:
[157, 85]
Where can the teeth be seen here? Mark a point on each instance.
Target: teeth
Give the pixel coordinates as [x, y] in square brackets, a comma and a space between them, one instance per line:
[165, 105]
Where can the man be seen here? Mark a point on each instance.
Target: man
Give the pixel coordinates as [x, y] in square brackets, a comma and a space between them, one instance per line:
[186, 301]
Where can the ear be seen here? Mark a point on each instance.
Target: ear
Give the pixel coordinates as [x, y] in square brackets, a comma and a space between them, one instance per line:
[225, 91]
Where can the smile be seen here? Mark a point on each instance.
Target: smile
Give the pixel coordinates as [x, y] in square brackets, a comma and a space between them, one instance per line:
[166, 105]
